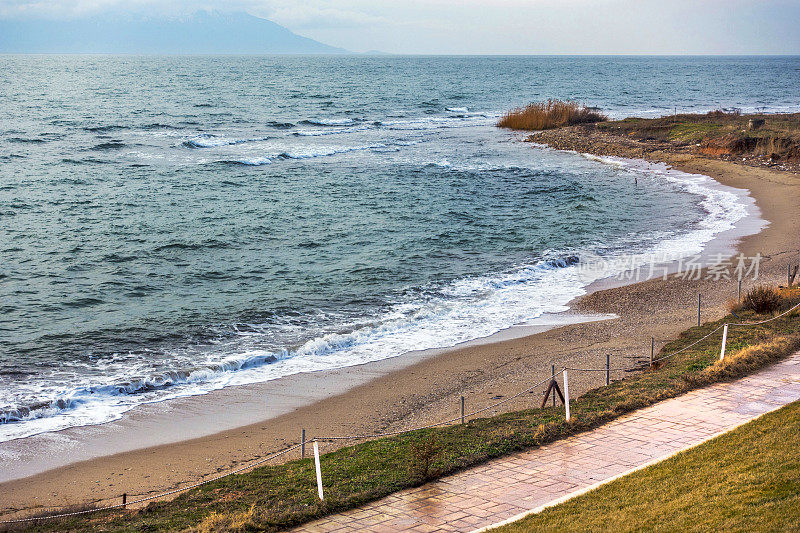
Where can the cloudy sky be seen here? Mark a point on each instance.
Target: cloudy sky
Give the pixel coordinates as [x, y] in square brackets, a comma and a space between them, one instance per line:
[494, 26]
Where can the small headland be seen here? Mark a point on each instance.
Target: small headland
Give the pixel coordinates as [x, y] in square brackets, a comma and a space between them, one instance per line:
[761, 140]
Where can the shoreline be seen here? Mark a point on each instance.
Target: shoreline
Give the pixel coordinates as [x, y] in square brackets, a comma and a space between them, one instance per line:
[430, 383]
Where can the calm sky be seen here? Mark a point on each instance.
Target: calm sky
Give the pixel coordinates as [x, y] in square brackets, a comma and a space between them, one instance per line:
[494, 26]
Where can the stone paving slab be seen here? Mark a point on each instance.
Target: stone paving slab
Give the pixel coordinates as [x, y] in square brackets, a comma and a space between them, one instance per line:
[506, 487]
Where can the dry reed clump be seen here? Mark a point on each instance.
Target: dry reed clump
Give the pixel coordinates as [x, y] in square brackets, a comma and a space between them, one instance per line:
[746, 360]
[548, 115]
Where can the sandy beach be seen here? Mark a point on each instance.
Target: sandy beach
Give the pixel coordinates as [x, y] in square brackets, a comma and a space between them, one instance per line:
[169, 444]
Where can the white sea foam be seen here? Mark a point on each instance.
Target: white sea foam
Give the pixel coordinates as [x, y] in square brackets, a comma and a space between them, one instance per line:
[332, 121]
[309, 152]
[325, 132]
[254, 161]
[306, 152]
[212, 141]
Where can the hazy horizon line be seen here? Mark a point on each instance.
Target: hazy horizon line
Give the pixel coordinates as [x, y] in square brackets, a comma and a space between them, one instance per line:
[377, 53]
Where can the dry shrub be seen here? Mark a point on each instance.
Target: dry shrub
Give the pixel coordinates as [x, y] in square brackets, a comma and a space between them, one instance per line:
[240, 521]
[423, 453]
[746, 360]
[762, 299]
[550, 114]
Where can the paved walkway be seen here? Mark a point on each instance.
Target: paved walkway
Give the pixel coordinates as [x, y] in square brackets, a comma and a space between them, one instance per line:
[509, 486]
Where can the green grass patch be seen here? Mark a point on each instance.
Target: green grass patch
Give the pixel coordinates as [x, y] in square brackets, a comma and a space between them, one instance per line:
[745, 480]
[277, 497]
[687, 132]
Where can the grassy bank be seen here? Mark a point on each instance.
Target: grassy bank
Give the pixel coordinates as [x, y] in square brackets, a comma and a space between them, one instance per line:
[742, 481]
[756, 139]
[719, 134]
[277, 497]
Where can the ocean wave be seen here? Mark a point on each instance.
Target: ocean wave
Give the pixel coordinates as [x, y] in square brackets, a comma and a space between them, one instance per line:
[110, 145]
[208, 140]
[83, 302]
[303, 152]
[160, 126]
[433, 123]
[322, 151]
[92, 394]
[386, 149]
[105, 129]
[331, 122]
[332, 131]
[413, 124]
[211, 244]
[26, 140]
[251, 162]
[280, 125]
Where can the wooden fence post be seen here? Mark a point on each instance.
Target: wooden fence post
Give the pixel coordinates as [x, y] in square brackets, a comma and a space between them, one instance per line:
[699, 297]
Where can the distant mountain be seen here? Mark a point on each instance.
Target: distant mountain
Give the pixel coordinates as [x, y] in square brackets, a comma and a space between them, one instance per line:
[201, 33]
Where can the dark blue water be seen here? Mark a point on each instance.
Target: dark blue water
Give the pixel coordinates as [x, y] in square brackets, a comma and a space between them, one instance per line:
[172, 225]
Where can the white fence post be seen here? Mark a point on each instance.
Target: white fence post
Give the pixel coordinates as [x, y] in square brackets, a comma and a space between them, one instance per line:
[319, 472]
[724, 341]
[566, 393]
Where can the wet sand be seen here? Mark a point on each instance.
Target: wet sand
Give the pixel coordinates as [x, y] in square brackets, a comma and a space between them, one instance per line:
[168, 444]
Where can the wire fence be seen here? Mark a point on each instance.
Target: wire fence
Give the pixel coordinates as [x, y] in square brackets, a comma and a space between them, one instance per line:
[647, 362]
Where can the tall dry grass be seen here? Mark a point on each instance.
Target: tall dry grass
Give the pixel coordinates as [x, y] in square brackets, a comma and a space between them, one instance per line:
[773, 145]
[233, 522]
[746, 360]
[548, 115]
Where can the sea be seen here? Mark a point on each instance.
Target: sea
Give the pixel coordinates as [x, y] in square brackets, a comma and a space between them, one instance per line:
[173, 225]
